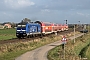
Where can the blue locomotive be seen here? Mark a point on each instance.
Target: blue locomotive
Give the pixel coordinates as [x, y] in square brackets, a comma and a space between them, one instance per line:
[28, 29]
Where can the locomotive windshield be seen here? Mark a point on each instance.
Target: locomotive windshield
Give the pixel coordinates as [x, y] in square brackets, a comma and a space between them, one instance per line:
[18, 25]
[23, 27]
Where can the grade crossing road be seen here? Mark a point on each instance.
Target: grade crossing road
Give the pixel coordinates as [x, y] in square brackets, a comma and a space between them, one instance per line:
[41, 52]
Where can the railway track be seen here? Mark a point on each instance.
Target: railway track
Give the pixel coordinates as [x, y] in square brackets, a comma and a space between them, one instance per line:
[16, 40]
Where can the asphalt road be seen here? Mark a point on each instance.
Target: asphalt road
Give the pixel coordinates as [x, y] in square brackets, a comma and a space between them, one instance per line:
[41, 53]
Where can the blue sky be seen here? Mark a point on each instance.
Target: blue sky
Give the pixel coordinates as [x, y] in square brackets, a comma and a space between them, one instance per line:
[45, 10]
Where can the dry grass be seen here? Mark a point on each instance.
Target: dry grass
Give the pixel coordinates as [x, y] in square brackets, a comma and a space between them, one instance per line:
[72, 50]
[25, 46]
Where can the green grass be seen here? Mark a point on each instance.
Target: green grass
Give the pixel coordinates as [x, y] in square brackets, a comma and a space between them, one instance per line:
[11, 51]
[53, 54]
[3, 37]
[88, 53]
[83, 51]
[76, 49]
[11, 55]
[79, 47]
[19, 49]
[80, 44]
[6, 34]
[7, 31]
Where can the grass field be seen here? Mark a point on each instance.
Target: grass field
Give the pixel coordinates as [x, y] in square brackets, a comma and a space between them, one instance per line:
[71, 50]
[10, 51]
[6, 34]
[88, 53]
[53, 54]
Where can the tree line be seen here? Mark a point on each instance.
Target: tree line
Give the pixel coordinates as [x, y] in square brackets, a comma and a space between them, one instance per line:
[13, 25]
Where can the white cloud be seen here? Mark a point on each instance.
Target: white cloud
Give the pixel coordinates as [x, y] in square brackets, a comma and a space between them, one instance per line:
[72, 9]
[80, 14]
[87, 15]
[46, 6]
[7, 14]
[83, 14]
[45, 10]
[18, 3]
[4, 13]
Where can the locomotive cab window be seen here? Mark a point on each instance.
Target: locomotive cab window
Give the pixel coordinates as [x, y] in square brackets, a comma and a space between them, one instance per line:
[19, 26]
[23, 25]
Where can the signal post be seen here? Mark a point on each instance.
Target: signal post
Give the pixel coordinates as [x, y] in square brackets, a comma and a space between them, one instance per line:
[64, 40]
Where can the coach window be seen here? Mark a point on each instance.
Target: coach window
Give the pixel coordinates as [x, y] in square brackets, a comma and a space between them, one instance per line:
[47, 24]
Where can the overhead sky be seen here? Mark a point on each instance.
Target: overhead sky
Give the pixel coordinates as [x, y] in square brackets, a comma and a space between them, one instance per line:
[45, 10]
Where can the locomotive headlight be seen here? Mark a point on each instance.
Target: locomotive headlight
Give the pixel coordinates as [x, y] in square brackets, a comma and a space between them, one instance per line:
[17, 32]
[24, 32]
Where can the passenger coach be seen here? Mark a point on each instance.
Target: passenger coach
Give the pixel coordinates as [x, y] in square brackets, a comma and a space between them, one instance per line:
[46, 27]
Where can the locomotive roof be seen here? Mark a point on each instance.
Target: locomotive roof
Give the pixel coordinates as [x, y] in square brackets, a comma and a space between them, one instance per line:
[24, 23]
[33, 23]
